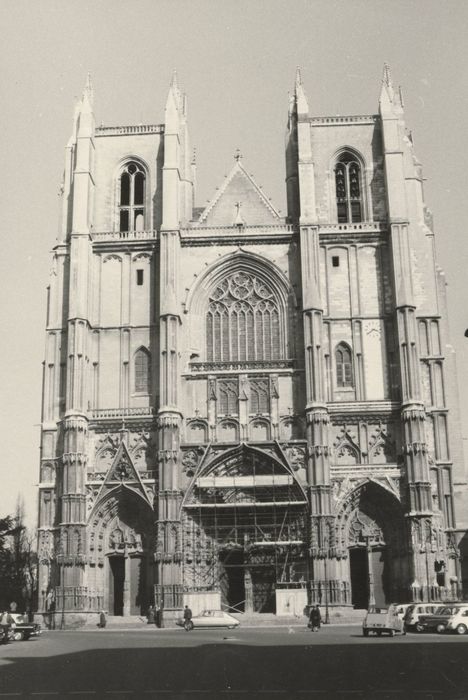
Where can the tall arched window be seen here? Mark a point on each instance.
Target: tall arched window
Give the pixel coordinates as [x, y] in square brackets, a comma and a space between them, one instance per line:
[344, 366]
[132, 198]
[243, 320]
[348, 189]
[142, 371]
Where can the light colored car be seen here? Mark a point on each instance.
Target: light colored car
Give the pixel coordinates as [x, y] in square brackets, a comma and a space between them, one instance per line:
[458, 622]
[209, 618]
[416, 610]
[383, 621]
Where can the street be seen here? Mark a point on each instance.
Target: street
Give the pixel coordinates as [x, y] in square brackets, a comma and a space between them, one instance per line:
[278, 662]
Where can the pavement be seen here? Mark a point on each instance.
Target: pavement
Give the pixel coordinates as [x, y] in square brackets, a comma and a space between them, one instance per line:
[251, 663]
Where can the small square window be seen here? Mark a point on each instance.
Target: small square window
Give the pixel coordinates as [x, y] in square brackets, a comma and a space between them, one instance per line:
[139, 277]
[335, 260]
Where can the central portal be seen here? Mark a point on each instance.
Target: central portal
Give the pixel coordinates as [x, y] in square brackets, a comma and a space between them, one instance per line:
[232, 581]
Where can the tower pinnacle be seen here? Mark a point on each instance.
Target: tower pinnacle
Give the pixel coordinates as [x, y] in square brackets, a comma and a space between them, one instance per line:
[87, 98]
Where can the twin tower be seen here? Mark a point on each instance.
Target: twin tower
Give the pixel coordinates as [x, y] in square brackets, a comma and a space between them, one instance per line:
[241, 410]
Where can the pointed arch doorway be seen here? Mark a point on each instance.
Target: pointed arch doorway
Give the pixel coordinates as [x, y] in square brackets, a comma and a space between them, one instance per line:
[120, 552]
[245, 530]
[376, 567]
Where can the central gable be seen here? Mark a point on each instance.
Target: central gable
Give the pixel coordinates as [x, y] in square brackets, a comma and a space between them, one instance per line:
[240, 201]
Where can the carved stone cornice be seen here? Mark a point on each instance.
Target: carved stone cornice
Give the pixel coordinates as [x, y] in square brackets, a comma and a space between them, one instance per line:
[355, 411]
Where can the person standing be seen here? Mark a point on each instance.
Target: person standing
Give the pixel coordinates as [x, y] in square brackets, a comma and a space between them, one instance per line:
[6, 621]
[315, 618]
[188, 624]
[150, 615]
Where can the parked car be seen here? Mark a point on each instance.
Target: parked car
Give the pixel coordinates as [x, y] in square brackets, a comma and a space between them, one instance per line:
[383, 620]
[209, 618]
[458, 622]
[437, 621]
[415, 610]
[401, 609]
[23, 629]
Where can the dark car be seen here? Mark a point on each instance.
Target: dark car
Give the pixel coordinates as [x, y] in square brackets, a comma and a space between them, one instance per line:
[23, 629]
[437, 622]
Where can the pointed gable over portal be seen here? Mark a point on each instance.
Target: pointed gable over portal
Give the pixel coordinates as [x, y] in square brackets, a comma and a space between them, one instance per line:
[240, 201]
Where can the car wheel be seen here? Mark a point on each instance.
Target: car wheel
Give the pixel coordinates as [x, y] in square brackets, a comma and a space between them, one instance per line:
[419, 627]
[440, 628]
[461, 629]
[18, 636]
[365, 633]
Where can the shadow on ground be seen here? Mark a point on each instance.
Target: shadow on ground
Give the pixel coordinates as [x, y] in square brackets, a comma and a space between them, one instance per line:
[229, 670]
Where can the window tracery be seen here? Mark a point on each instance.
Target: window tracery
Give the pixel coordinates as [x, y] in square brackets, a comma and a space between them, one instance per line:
[348, 189]
[228, 396]
[243, 321]
[259, 396]
[132, 198]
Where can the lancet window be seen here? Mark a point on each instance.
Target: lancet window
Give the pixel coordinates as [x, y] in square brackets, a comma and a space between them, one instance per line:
[142, 371]
[228, 397]
[132, 198]
[243, 321]
[259, 396]
[344, 366]
[348, 189]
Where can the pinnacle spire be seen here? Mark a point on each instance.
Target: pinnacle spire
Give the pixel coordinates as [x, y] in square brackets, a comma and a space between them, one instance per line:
[387, 76]
[88, 91]
[298, 77]
[174, 81]
[299, 94]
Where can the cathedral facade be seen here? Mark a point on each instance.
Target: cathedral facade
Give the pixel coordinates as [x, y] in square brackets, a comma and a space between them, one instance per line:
[242, 410]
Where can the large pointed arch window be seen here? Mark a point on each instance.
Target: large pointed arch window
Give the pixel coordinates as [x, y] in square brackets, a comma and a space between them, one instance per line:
[348, 182]
[344, 366]
[244, 320]
[132, 187]
[142, 371]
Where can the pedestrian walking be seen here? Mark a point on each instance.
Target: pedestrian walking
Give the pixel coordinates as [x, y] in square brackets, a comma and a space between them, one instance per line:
[6, 623]
[188, 624]
[315, 618]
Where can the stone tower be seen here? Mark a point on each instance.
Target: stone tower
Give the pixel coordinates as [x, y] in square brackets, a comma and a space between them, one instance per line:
[241, 410]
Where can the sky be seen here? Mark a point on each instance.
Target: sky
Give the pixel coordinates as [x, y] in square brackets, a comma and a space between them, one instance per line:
[236, 60]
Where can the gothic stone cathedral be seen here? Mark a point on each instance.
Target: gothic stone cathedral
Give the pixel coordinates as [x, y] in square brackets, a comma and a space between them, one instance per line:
[242, 410]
